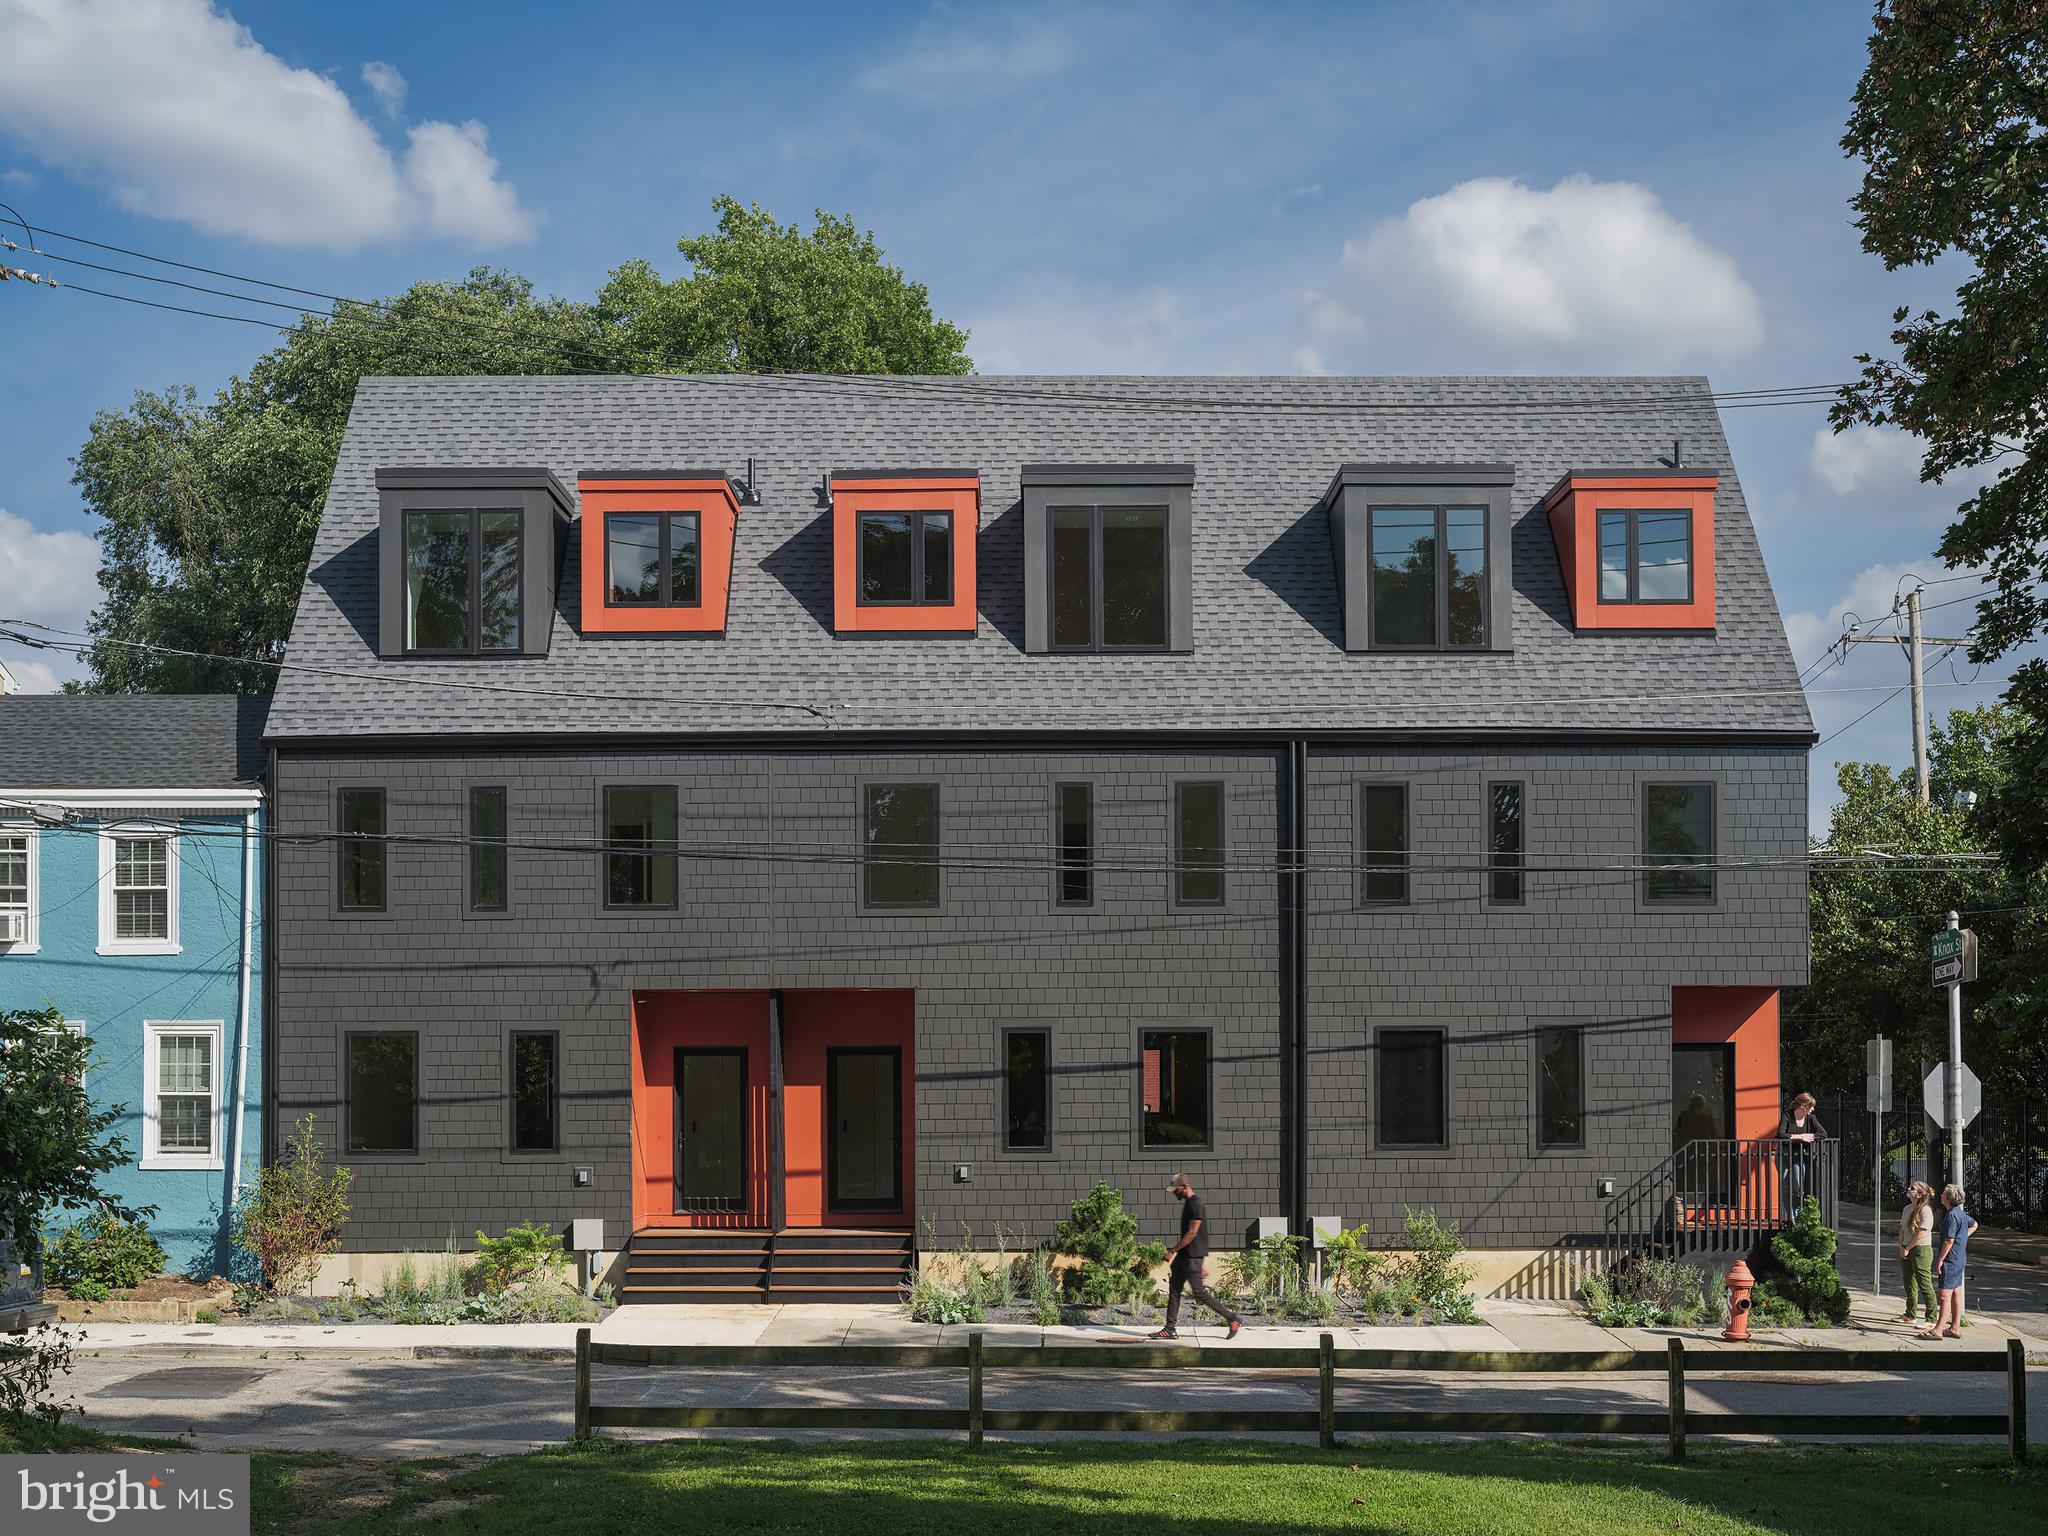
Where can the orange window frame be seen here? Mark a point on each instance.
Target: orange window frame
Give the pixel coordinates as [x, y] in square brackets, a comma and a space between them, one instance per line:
[707, 497]
[1574, 509]
[954, 493]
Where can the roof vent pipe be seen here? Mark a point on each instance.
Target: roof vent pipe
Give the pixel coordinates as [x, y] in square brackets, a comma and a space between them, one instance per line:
[1677, 456]
[750, 497]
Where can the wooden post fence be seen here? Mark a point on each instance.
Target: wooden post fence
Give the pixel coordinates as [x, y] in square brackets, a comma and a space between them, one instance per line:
[1326, 1421]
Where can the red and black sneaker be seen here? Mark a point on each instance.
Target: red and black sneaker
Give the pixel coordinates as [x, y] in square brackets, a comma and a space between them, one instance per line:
[1164, 1333]
[1235, 1324]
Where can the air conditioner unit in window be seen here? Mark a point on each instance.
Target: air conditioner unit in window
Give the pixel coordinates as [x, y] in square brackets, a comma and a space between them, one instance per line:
[13, 926]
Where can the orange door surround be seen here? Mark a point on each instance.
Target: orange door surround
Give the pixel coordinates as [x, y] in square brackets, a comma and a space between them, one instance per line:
[813, 1023]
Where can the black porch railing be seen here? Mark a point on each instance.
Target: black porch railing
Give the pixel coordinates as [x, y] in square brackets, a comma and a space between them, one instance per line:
[1721, 1198]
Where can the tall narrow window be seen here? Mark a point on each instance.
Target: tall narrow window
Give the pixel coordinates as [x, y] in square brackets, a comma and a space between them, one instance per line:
[1198, 844]
[383, 1092]
[181, 1095]
[1383, 823]
[487, 853]
[1174, 1085]
[462, 581]
[640, 845]
[1109, 578]
[1427, 574]
[1504, 834]
[1412, 1108]
[536, 1094]
[1560, 1087]
[900, 836]
[651, 559]
[360, 850]
[1075, 805]
[1678, 843]
[1646, 556]
[1027, 1090]
[906, 558]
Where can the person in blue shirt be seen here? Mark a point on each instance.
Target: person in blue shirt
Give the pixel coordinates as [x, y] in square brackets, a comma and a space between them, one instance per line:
[1950, 1264]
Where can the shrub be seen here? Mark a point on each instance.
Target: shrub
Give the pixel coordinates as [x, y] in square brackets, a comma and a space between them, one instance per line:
[1348, 1264]
[1039, 1288]
[1802, 1268]
[526, 1252]
[1114, 1265]
[103, 1251]
[1431, 1268]
[930, 1301]
[292, 1212]
[1646, 1292]
[1006, 1270]
[206, 1315]
[89, 1290]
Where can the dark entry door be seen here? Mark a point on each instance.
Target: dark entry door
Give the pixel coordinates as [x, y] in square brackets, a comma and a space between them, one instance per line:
[1703, 1109]
[864, 1128]
[711, 1129]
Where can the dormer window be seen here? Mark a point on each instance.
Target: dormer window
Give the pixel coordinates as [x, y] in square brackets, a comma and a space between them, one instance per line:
[1108, 557]
[1422, 554]
[657, 550]
[1636, 546]
[462, 581]
[1646, 556]
[906, 558]
[467, 560]
[903, 550]
[652, 559]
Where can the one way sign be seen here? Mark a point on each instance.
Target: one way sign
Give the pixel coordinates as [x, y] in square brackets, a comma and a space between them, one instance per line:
[1954, 952]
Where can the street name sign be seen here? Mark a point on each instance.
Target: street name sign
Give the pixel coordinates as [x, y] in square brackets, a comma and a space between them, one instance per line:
[1954, 953]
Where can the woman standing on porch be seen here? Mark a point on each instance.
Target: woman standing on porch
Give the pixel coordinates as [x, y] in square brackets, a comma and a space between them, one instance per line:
[1799, 1128]
[1916, 1251]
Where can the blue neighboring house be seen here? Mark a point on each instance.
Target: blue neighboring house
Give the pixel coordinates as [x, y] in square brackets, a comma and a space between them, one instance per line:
[131, 873]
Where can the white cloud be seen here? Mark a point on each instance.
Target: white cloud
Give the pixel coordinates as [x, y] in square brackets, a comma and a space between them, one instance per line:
[19, 180]
[182, 114]
[1867, 601]
[1059, 329]
[952, 61]
[1295, 195]
[452, 170]
[52, 578]
[1310, 361]
[1329, 316]
[1864, 456]
[387, 84]
[1592, 270]
[31, 675]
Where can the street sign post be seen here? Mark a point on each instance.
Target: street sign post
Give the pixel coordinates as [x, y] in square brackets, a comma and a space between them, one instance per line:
[1877, 1095]
[1953, 953]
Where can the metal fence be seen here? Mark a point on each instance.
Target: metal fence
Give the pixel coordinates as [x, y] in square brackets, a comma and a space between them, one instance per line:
[1720, 1197]
[2005, 1154]
[1325, 1421]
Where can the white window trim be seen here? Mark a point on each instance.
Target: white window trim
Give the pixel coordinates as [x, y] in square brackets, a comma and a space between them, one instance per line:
[33, 942]
[109, 944]
[153, 1031]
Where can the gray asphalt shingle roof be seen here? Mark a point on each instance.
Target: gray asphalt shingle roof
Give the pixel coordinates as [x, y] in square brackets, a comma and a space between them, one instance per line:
[130, 741]
[1268, 650]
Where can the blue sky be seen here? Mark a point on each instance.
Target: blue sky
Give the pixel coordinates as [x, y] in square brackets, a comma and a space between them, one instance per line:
[1497, 188]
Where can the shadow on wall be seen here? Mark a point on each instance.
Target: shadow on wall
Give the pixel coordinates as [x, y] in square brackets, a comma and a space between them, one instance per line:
[349, 579]
[1297, 569]
[1552, 1274]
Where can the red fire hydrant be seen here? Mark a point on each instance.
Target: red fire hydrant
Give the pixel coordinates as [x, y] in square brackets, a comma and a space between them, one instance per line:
[1740, 1283]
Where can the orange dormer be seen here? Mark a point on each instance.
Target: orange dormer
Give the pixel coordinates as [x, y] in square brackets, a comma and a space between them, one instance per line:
[1637, 547]
[903, 550]
[657, 550]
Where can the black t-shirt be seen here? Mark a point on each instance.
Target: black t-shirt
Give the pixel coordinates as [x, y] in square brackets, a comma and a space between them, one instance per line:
[1191, 1211]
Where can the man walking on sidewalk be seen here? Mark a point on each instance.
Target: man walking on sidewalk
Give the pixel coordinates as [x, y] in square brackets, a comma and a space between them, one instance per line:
[1188, 1256]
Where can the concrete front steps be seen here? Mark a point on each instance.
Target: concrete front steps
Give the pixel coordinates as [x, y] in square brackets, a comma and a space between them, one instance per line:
[674, 1265]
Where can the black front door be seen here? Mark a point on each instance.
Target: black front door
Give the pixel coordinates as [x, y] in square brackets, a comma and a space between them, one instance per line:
[864, 1128]
[711, 1129]
[1703, 1109]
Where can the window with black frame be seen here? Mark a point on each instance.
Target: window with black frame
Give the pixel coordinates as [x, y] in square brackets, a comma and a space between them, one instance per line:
[906, 558]
[900, 842]
[1198, 845]
[1646, 556]
[462, 581]
[1383, 844]
[1174, 1088]
[1027, 1090]
[1075, 811]
[1412, 1106]
[1504, 844]
[1427, 577]
[360, 850]
[536, 1091]
[488, 884]
[652, 560]
[383, 1092]
[640, 846]
[1560, 1086]
[1109, 578]
[1678, 843]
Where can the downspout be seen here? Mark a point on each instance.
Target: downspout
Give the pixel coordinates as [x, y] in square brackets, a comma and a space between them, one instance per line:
[249, 833]
[1297, 989]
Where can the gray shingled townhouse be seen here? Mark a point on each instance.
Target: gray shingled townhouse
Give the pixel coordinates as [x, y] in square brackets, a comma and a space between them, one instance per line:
[767, 815]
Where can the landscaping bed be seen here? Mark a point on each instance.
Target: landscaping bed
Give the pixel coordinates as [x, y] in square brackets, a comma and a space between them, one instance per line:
[156, 1299]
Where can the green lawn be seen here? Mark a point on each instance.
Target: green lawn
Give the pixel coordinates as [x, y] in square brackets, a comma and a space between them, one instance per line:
[1106, 1488]
[1204, 1488]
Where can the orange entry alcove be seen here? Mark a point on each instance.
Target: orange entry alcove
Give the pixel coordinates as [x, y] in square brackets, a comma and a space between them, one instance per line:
[705, 1105]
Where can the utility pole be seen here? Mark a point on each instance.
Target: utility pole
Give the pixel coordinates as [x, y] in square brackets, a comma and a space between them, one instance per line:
[1912, 642]
[1954, 1082]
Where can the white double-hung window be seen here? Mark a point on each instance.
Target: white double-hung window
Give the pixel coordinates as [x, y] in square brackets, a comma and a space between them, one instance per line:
[181, 1094]
[17, 890]
[138, 891]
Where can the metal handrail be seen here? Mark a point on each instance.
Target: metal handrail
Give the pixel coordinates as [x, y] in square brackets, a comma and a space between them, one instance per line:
[1722, 1196]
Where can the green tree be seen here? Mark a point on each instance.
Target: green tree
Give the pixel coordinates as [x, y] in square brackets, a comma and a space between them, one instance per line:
[208, 508]
[54, 1142]
[1951, 123]
[765, 297]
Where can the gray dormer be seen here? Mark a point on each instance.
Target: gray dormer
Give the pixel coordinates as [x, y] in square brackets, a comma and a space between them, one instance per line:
[1425, 556]
[467, 560]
